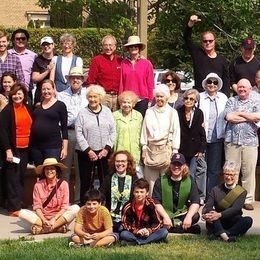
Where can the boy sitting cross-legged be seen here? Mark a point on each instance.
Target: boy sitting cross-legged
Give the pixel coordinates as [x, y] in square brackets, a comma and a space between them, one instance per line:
[141, 222]
[93, 224]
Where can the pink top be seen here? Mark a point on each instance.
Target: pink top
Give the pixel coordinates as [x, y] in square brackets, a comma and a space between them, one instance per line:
[59, 201]
[138, 78]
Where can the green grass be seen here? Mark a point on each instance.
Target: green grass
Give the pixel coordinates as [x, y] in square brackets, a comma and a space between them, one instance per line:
[179, 247]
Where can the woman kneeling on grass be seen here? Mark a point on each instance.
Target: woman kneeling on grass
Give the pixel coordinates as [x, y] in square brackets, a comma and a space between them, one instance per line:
[50, 201]
[93, 224]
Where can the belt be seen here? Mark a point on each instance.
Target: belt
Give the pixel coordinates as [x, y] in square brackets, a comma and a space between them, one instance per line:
[112, 92]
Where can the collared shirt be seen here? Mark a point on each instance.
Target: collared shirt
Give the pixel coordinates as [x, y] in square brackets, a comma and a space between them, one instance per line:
[74, 103]
[244, 133]
[105, 72]
[27, 58]
[12, 63]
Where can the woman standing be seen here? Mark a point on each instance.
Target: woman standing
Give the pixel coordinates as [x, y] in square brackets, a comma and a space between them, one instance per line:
[172, 80]
[212, 103]
[160, 135]
[66, 61]
[50, 201]
[49, 136]
[8, 79]
[14, 138]
[117, 186]
[137, 74]
[128, 125]
[193, 137]
[95, 133]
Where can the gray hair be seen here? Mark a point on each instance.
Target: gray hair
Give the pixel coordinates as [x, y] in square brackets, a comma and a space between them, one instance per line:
[97, 90]
[68, 37]
[162, 89]
[192, 91]
[108, 36]
[231, 166]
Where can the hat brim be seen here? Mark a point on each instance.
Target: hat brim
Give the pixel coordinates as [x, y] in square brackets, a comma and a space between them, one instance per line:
[39, 169]
[220, 84]
[127, 45]
[79, 75]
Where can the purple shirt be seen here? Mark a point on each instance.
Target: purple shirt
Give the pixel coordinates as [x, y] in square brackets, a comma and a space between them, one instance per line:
[27, 58]
[12, 63]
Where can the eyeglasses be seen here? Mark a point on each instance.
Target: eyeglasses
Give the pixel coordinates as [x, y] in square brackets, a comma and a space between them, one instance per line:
[134, 46]
[189, 98]
[170, 80]
[20, 38]
[230, 174]
[215, 82]
[208, 41]
[108, 45]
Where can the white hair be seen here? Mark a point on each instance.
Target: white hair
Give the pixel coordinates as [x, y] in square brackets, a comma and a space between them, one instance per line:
[162, 89]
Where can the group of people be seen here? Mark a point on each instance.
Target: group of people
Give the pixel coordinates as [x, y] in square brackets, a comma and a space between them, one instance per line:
[157, 153]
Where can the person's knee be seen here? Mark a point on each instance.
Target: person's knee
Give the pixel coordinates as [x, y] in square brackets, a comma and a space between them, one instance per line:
[248, 222]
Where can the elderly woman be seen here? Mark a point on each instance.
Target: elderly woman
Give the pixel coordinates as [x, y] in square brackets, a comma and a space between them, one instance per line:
[171, 79]
[193, 138]
[49, 136]
[212, 103]
[52, 211]
[128, 125]
[95, 134]
[117, 186]
[66, 61]
[177, 198]
[137, 74]
[15, 132]
[160, 136]
[223, 209]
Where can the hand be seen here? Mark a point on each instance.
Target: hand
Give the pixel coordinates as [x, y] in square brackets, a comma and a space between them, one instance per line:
[186, 223]
[215, 215]
[9, 155]
[50, 66]
[63, 154]
[143, 232]
[199, 155]
[193, 20]
[103, 153]
[88, 236]
[144, 152]
[96, 236]
[167, 222]
[92, 155]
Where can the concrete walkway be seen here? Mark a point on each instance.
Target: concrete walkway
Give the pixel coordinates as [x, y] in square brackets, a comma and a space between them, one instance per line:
[14, 228]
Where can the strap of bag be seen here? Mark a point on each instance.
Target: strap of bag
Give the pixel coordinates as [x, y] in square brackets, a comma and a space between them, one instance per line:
[53, 192]
[229, 199]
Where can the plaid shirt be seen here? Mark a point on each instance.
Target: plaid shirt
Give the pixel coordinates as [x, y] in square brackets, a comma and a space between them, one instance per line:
[12, 63]
[150, 219]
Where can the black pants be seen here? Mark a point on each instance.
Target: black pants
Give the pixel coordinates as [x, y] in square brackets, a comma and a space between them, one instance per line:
[87, 170]
[233, 226]
[142, 106]
[14, 179]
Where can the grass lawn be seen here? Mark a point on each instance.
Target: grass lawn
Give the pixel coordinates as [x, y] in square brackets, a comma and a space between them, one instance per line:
[178, 247]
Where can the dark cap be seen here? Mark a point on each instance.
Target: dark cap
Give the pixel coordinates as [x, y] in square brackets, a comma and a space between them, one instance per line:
[248, 43]
[178, 157]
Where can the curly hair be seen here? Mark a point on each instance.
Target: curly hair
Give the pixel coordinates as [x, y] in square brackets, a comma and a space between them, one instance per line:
[130, 170]
[128, 94]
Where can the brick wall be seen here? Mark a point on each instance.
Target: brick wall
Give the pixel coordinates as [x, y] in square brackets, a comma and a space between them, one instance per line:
[13, 12]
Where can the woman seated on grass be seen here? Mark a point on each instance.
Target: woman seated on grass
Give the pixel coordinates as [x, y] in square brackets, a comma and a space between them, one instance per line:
[223, 209]
[50, 201]
[93, 224]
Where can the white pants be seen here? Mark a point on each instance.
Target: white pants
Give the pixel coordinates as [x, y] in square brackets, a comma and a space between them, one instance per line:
[32, 217]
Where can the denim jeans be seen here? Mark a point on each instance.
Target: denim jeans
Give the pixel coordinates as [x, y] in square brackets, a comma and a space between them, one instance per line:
[39, 155]
[156, 237]
[214, 153]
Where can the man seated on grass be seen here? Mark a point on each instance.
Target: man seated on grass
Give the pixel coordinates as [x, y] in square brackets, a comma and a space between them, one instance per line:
[140, 220]
[223, 209]
[93, 224]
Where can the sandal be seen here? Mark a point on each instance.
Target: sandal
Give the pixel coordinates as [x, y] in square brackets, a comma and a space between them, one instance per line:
[62, 229]
[36, 230]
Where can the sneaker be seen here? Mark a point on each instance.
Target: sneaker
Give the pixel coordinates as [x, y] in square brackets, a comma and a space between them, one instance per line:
[248, 206]
[232, 239]
[128, 243]
[195, 229]
[74, 245]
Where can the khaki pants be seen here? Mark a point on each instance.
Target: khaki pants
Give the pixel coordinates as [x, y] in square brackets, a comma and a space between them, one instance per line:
[110, 100]
[246, 158]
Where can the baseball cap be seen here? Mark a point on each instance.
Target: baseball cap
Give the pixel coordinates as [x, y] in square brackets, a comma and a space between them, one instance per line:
[47, 39]
[248, 43]
[179, 158]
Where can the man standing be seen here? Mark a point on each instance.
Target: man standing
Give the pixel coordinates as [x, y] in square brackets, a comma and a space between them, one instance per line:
[242, 113]
[20, 38]
[74, 98]
[9, 62]
[205, 58]
[246, 65]
[105, 71]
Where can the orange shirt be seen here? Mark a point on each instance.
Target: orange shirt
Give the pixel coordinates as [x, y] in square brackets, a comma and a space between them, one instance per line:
[23, 122]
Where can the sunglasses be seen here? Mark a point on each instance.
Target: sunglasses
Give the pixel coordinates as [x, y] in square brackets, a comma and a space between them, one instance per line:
[170, 80]
[20, 38]
[134, 46]
[208, 41]
[215, 82]
[189, 98]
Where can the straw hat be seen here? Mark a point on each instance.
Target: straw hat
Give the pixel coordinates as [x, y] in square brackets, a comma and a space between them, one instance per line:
[212, 76]
[134, 40]
[49, 162]
[75, 71]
